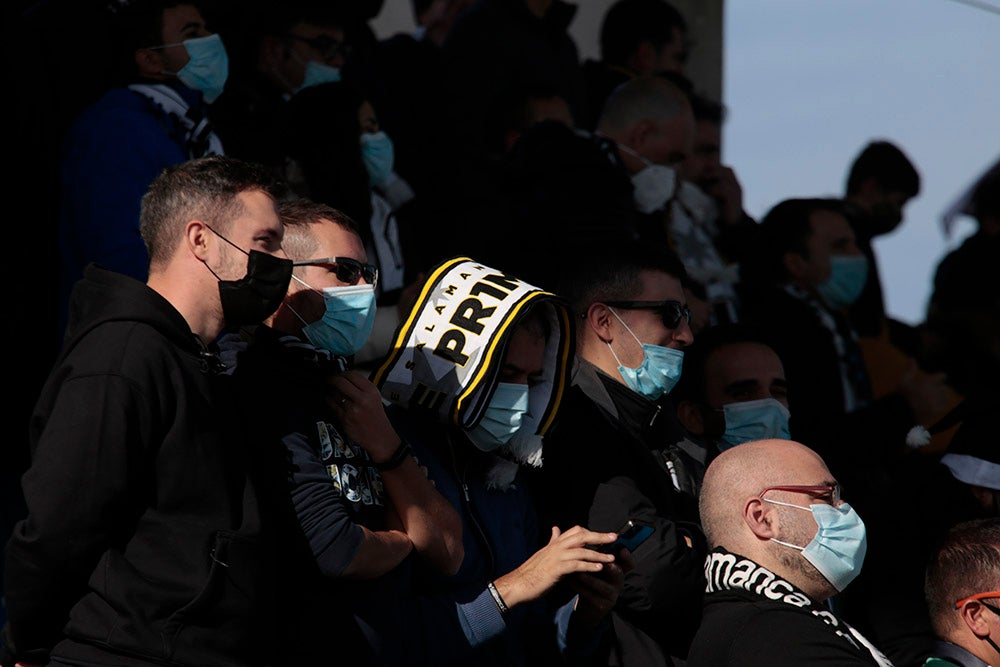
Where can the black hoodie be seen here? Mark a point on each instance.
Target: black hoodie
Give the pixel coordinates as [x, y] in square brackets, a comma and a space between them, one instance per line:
[144, 539]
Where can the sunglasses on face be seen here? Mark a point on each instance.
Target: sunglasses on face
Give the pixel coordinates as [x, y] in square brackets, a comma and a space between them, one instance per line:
[828, 492]
[326, 47]
[671, 312]
[348, 270]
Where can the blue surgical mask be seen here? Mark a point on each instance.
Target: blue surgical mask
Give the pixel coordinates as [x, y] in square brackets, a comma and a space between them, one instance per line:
[502, 418]
[377, 153]
[847, 279]
[657, 374]
[754, 420]
[347, 321]
[317, 73]
[208, 67]
[839, 547]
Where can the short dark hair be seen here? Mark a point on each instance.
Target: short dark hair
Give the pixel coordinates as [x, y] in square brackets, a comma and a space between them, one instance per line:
[884, 162]
[138, 24]
[786, 227]
[707, 109]
[609, 271]
[986, 196]
[691, 386]
[627, 23]
[205, 188]
[966, 562]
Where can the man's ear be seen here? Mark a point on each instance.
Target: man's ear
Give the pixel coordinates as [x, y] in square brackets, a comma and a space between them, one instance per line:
[973, 614]
[760, 519]
[599, 318]
[795, 264]
[196, 236]
[690, 415]
[149, 63]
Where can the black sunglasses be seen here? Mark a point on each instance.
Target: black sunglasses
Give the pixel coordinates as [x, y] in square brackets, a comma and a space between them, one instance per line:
[671, 312]
[327, 47]
[348, 270]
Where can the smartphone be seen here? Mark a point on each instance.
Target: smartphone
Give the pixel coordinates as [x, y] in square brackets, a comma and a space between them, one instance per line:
[630, 536]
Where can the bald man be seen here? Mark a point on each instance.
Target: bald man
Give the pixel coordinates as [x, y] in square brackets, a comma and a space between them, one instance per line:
[783, 542]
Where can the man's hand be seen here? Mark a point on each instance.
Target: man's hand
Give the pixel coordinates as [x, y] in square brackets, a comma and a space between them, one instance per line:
[565, 554]
[599, 592]
[728, 192]
[358, 405]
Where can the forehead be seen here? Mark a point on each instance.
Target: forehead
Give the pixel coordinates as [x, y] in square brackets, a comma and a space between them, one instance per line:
[259, 216]
[830, 227]
[334, 241]
[743, 361]
[313, 30]
[659, 286]
[525, 351]
[180, 19]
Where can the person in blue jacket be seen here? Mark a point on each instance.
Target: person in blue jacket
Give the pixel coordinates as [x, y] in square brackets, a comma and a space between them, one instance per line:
[473, 383]
[172, 67]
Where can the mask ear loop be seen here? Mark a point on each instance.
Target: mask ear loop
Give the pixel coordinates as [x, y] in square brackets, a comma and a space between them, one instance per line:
[630, 333]
[798, 507]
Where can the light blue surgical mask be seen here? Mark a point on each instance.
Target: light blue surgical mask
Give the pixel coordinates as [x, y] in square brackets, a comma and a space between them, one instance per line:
[347, 321]
[208, 67]
[378, 155]
[659, 371]
[754, 420]
[847, 279]
[502, 418]
[318, 73]
[839, 547]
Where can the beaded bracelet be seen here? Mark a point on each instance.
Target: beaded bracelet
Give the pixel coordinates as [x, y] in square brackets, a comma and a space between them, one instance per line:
[501, 605]
[397, 457]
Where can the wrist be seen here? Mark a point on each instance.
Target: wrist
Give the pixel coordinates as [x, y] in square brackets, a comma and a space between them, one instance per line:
[403, 452]
[498, 598]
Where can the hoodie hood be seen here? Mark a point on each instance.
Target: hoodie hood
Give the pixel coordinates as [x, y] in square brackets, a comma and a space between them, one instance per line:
[446, 356]
[103, 296]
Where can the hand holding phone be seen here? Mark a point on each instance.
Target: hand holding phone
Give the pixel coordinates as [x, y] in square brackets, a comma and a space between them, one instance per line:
[630, 536]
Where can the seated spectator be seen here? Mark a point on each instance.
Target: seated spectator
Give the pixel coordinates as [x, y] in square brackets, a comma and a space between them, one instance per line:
[339, 156]
[732, 390]
[783, 542]
[169, 67]
[604, 459]
[280, 48]
[362, 509]
[880, 182]
[805, 271]
[963, 313]
[637, 38]
[474, 381]
[963, 595]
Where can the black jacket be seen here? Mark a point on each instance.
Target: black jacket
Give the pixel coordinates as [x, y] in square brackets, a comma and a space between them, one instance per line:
[602, 466]
[754, 617]
[145, 540]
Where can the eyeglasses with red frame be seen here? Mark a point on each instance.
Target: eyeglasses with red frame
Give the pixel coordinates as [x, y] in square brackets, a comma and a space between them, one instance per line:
[978, 597]
[829, 492]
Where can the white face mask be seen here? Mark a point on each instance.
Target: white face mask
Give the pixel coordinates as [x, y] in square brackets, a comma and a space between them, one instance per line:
[653, 186]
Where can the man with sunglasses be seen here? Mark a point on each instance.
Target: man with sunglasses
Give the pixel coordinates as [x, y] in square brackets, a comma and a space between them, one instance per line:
[603, 464]
[291, 46]
[963, 595]
[361, 499]
[783, 542]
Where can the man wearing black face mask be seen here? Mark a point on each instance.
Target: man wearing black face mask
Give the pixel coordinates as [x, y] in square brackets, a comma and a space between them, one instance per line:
[152, 520]
[879, 184]
[963, 595]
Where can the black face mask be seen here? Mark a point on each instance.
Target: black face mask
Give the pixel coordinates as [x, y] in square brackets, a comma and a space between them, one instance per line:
[885, 218]
[257, 294]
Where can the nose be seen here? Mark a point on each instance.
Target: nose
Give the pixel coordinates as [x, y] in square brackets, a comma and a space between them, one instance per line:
[683, 334]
